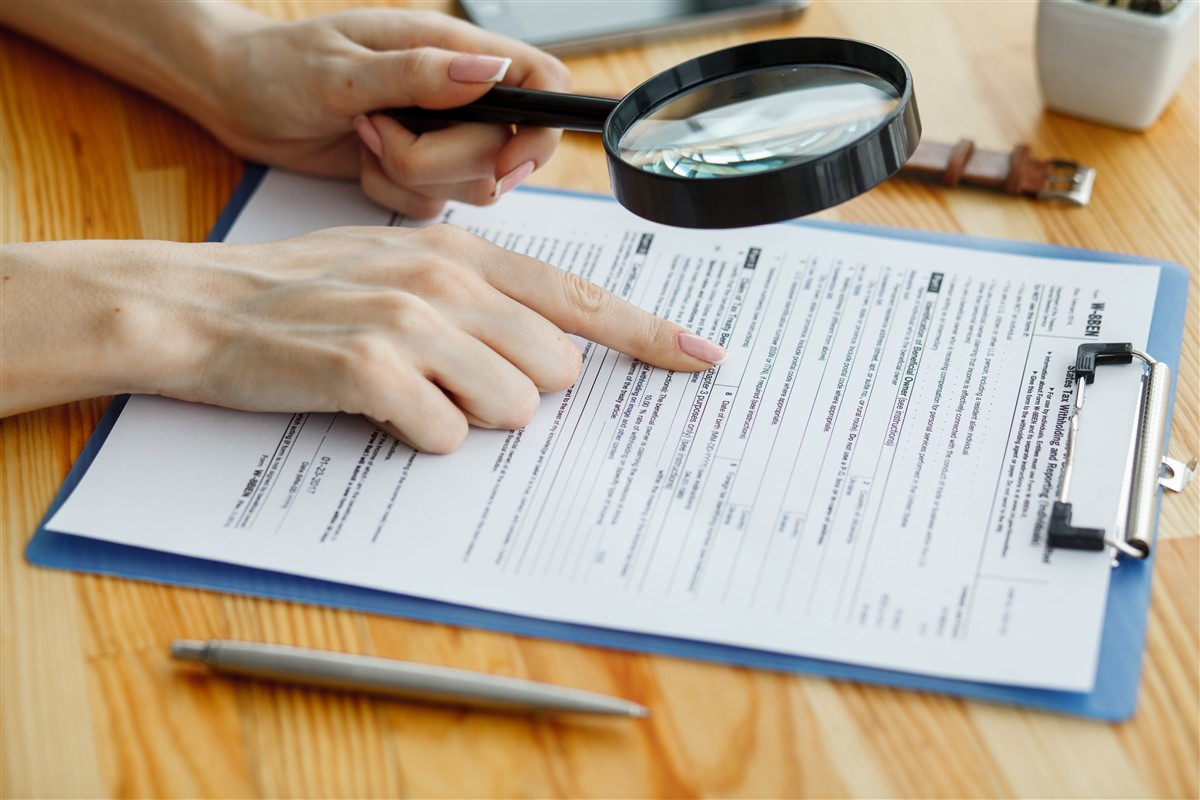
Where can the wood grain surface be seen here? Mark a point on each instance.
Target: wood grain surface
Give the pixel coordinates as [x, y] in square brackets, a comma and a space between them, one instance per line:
[93, 707]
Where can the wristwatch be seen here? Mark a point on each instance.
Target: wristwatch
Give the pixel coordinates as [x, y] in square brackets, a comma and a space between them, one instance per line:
[1017, 172]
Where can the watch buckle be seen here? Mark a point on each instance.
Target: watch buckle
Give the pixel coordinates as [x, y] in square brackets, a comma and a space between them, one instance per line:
[1066, 180]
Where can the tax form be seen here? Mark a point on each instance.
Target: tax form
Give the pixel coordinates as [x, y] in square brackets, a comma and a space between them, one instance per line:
[867, 479]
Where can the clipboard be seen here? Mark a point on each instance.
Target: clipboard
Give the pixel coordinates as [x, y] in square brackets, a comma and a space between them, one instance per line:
[1114, 696]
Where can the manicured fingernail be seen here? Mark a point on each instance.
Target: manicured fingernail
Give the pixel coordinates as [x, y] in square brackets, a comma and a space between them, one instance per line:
[368, 133]
[513, 179]
[701, 348]
[478, 69]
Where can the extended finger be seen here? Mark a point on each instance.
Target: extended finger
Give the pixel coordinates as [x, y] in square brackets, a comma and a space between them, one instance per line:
[579, 306]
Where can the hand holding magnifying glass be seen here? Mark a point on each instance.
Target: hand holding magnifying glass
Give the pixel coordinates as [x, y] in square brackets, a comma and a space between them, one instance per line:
[750, 135]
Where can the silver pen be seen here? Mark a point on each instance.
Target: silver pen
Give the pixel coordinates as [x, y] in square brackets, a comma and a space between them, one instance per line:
[424, 682]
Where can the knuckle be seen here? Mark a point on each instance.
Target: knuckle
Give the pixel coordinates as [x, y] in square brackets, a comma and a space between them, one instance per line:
[441, 427]
[402, 165]
[420, 67]
[564, 369]
[549, 73]
[370, 187]
[363, 353]
[519, 407]
[432, 279]
[421, 207]
[440, 433]
[410, 315]
[392, 313]
[380, 307]
[541, 144]
[358, 364]
[584, 300]
[560, 75]
[430, 25]
[338, 92]
[650, 334]
[422, 277]
[445, 239]
[419, 63]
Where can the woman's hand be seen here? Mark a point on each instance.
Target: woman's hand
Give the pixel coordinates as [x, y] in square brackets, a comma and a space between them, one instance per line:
[301, 95]
[424, 331]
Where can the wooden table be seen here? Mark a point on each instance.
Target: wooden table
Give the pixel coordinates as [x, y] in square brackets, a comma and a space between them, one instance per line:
[92, 706]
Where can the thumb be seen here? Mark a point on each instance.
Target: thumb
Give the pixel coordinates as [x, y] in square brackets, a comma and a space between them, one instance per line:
[426, 77]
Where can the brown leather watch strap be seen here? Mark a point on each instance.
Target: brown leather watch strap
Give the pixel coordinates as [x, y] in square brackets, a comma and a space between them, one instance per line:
[1018, 172]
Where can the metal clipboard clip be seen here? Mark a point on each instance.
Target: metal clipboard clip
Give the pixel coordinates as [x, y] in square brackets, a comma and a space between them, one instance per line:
[1148, 461]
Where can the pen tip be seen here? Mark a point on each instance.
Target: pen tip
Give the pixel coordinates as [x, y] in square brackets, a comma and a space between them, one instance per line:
[188, 649]
[641, 712]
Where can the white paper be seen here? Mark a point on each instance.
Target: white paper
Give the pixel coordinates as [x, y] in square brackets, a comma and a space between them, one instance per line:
[865, 480]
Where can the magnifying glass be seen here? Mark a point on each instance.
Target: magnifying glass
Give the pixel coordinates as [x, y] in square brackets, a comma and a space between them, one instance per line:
[753, 134]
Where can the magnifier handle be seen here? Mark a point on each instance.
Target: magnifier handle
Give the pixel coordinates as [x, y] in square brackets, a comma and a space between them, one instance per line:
[571, 112]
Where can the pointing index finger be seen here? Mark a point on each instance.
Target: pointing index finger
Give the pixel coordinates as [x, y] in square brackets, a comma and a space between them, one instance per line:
[578, 306]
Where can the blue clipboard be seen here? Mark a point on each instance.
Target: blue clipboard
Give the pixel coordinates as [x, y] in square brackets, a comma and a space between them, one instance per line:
[1123, 640]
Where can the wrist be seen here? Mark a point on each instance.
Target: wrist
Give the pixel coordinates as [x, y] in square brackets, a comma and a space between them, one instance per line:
[215, 35]
[99, 318]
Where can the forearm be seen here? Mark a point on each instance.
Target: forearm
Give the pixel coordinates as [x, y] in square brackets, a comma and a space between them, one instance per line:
[96, 318]
[168, 48]
[420, 330]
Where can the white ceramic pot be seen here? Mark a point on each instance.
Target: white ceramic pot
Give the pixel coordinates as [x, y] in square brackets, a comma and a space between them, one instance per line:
[1113, 65]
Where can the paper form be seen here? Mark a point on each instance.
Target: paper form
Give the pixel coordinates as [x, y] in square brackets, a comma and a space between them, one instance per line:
[866, 479]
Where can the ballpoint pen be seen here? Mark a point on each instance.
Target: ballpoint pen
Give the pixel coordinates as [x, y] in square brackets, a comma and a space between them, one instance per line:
[424, 682]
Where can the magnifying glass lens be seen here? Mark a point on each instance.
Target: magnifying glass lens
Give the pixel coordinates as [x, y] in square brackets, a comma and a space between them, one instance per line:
[769, 130]
[759, 120]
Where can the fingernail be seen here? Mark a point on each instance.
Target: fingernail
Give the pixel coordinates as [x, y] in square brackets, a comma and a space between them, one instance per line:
[513, 179]
[478, 69]
[701, 348]
[368, 133]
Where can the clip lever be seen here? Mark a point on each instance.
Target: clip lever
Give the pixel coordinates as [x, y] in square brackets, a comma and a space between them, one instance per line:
[1178, 474]
[1147, 456]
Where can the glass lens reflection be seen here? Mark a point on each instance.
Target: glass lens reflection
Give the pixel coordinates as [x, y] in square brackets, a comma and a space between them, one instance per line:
[759, 120]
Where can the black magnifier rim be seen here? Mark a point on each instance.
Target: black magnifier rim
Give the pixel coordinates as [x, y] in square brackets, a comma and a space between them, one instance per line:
[772, 195]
